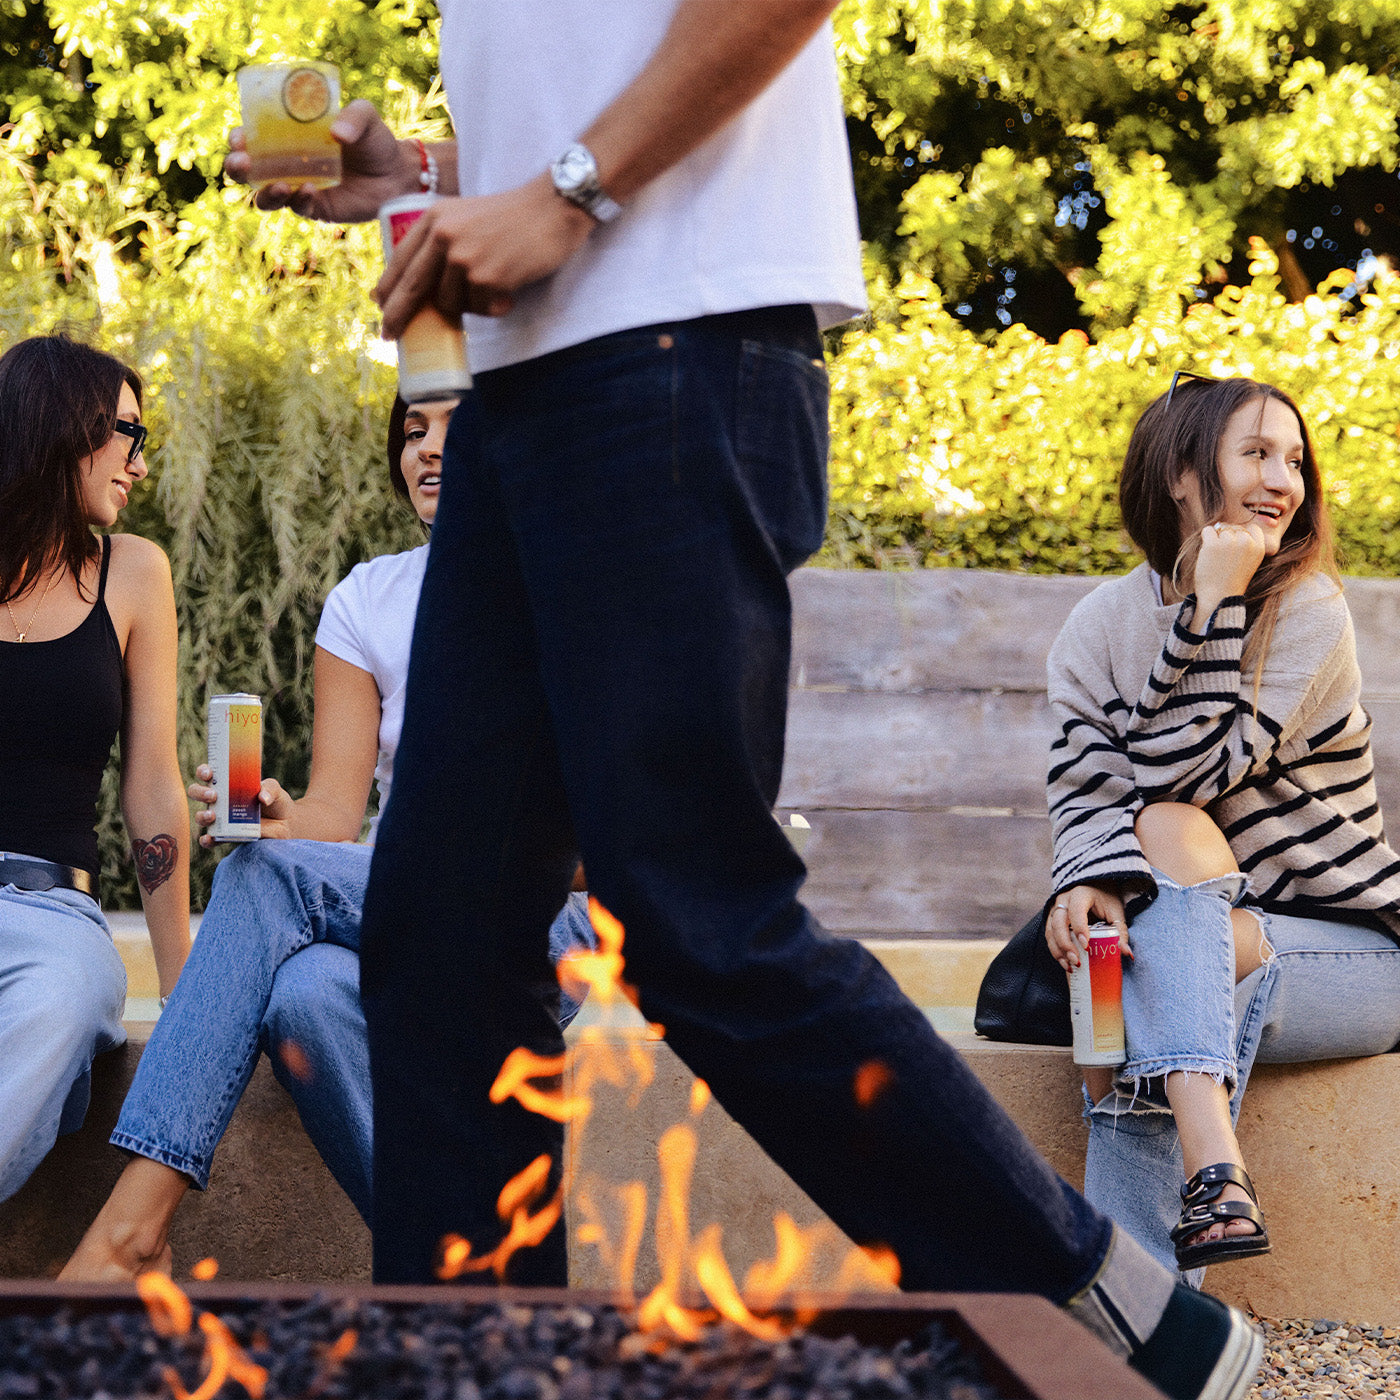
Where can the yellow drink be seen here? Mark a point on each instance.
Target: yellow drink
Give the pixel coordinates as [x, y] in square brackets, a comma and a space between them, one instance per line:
[288, 109]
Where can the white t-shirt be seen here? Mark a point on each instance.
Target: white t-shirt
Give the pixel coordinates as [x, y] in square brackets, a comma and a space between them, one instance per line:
[368, 621]
[761, 214]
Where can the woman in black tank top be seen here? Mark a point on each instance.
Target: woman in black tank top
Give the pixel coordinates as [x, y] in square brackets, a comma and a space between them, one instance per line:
[87, 656]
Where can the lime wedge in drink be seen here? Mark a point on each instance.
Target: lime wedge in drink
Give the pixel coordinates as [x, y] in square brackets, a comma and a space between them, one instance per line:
[306, 95]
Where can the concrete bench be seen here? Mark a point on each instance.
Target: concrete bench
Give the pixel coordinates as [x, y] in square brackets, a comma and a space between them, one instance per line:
[273, 1211]
[916, 749]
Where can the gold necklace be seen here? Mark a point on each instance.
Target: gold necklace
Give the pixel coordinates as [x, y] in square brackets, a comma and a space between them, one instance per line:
[20, 636]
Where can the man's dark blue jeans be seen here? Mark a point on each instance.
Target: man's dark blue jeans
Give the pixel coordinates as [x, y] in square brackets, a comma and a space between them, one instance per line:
[600, 665]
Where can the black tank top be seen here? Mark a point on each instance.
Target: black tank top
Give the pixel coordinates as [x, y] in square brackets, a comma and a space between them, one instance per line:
[62, 708]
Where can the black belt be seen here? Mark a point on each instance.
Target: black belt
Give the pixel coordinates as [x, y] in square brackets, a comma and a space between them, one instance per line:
[30, 873]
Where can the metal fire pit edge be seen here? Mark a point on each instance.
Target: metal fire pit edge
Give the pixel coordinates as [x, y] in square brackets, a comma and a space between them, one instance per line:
[1025, 1344]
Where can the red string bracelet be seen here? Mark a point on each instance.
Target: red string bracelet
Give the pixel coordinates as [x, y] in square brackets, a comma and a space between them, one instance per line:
[428, 172]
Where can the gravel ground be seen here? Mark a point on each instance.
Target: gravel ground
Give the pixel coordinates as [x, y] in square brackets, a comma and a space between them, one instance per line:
[1310, 1358]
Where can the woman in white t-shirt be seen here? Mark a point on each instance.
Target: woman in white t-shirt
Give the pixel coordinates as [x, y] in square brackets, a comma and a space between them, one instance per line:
[276, 965]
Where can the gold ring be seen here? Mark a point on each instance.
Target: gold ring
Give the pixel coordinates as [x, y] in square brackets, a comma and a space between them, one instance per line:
[1219, 529]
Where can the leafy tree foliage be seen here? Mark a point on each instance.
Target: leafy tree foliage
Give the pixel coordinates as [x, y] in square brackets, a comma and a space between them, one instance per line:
[1057, 163]
[1070, 164]
[103, 85]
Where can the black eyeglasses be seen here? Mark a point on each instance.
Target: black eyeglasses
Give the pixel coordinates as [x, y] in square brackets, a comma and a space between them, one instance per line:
[137, 433]
[1186, 374]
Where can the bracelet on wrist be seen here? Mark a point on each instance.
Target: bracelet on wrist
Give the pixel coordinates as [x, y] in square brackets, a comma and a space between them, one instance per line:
[428, 168]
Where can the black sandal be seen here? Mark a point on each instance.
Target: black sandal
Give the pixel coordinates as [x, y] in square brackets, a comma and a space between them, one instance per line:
[1201, 1208]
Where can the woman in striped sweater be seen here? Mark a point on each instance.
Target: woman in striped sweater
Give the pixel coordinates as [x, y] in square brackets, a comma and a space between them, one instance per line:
[1212, 787]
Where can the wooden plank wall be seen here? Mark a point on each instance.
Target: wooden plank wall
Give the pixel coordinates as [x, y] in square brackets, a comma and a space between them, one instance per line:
[918, 731]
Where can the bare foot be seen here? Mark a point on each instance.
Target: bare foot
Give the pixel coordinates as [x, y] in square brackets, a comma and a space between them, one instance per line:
[114, 1257]
[130, 1235]
[1220, 1229]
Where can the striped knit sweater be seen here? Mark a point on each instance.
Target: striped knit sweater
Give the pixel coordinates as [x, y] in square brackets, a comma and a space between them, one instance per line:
[1150, 712]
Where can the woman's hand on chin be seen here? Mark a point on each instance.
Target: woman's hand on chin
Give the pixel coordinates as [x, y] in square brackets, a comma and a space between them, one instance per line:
[1227, 560]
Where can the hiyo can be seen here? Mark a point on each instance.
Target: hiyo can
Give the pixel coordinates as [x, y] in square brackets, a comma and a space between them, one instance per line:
[1096, 1000]
[235, 755]
[432, 350]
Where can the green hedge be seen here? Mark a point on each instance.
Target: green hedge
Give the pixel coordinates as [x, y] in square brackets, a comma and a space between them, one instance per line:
[948, 451]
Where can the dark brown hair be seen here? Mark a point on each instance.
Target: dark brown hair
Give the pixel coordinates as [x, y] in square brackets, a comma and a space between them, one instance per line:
[1184, 436]
[58, 402]
[398, 440]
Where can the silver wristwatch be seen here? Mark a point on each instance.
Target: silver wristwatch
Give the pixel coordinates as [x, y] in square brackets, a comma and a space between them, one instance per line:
[575, 176]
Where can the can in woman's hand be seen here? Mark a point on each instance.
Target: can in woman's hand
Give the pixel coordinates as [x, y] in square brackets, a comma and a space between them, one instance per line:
[235, 755]
[1096, 1000]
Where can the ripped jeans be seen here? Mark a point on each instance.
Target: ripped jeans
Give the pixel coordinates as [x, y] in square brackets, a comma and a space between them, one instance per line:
[1325, 991]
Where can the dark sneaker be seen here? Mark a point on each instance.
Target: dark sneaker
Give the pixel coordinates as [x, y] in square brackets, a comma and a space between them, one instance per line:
[1201, 1350]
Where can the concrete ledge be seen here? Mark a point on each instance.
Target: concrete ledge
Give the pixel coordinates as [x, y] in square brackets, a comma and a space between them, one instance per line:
[1319, 1139]
[940, 975]
[272, 1211]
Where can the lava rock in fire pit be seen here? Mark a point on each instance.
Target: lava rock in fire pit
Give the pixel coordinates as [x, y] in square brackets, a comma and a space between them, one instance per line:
[329, 1350]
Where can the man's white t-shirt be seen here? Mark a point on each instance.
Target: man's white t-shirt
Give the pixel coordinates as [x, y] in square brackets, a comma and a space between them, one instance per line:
[761, 214]
[368, 621]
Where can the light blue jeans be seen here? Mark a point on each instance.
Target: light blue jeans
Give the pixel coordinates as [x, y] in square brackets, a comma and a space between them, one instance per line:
[1325, 991]
[276, 969]
[62, 989]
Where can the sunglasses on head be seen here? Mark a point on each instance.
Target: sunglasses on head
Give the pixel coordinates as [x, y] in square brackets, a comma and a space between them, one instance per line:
[136, 432]
[1186, 374]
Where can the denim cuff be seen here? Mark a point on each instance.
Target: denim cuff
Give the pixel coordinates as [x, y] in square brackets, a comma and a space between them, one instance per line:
[1134, 1072]
[197, 1172]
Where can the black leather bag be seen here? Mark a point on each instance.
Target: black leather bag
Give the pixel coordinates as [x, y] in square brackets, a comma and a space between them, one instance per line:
[1024, 996]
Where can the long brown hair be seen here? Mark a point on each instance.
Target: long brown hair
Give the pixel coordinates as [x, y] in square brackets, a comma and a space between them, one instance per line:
[1184, 436]
[58, 404]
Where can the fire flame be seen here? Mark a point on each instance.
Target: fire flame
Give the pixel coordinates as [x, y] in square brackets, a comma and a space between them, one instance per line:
[526, 1229]
[619, 1260]
[662, 1307]
[767, 1280]
[873, 1266]
[167, 1305]
[872, 1079]
[296, 1061]
[171, 1314]
[713, 1273]
[513, 1081]
[599, 969]
[613, 1217]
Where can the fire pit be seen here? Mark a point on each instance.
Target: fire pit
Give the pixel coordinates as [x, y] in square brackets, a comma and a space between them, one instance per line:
[452, 1343]
[779, 1339]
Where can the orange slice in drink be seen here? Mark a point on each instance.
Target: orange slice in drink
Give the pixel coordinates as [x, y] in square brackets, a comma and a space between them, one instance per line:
[306, 94]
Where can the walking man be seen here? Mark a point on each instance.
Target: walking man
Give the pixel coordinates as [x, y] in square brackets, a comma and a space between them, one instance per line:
[652, 220]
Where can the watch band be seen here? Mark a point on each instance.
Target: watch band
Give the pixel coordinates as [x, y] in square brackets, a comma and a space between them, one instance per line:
[575, 176]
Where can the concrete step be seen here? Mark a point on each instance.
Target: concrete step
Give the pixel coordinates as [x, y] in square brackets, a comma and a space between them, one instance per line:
[1328, 1175]
[940, 975]
[1327, 1171]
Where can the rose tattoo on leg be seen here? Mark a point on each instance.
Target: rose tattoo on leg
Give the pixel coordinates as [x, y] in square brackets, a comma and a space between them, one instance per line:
[155, 860]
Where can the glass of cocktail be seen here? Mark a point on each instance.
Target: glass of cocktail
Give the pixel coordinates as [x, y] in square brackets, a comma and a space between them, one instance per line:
[288, 109]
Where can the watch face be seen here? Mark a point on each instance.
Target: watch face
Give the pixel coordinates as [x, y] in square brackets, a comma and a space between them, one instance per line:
[573, 169]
